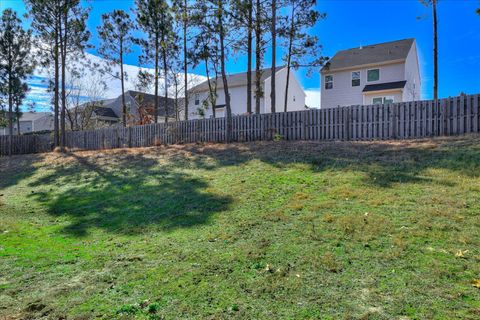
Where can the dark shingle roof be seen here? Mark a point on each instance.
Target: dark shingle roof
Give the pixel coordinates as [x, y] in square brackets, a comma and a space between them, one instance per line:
[377, 53]
[385, 86]
[105, 112]
[235, 80]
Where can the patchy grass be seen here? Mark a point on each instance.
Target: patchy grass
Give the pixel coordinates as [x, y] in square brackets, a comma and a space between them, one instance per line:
[278, 230]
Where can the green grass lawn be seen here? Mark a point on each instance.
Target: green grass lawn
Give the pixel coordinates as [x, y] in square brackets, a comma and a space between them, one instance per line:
[277, 230]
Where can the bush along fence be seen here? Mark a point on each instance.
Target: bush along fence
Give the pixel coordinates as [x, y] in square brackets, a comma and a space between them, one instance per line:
[406, 120]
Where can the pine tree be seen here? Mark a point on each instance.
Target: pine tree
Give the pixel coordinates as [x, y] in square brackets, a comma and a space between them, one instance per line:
[73, 38]
[15, 63]
[259, 25]
[115, 34]
[303, 50]
[182, 9]
[222, 16]
[205, 49]
[155, 18]
[433, 4]
[274, 56]
[46, 23]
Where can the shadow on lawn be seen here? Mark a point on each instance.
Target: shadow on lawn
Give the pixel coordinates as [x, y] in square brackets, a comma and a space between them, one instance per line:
[383, 163]
[16, 168]
[125, 193]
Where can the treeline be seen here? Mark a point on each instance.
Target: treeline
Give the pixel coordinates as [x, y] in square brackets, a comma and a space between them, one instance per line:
[176, 36]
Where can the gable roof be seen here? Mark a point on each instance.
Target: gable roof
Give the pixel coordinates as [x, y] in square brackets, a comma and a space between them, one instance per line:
[371, 54]
[235, 80]
[147, 99]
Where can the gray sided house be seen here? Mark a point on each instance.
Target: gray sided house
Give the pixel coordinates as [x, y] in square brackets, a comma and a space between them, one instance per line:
[140, 110]
[375, 74]
[32, 122]
[141, 105]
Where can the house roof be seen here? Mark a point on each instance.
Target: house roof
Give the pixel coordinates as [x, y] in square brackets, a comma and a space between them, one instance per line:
[371, 54]
[105, 112]
[147, 99]
[236, 79]
[385, 86]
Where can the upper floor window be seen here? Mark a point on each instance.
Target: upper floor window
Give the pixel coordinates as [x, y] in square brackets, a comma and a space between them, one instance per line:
[373, 75]
[328, 82]
[197, 99]
[355, 78]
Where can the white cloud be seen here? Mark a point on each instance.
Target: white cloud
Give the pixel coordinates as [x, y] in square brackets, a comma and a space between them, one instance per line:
[313, 98]
[41, 99]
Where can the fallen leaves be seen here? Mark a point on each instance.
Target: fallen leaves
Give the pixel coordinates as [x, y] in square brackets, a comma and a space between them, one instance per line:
[461, 253]
[476, 283]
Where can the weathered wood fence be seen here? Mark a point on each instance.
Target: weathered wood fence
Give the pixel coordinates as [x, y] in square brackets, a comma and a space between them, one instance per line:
[418, 119]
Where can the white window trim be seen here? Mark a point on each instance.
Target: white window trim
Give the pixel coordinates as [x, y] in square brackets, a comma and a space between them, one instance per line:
[325, 78]
[379, 74]
[359, 78]
[196, 98]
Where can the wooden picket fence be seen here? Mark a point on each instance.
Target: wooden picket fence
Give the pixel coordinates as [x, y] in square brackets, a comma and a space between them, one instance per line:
[416, 119]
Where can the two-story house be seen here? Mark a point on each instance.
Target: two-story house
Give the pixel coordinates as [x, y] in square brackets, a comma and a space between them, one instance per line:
[199, 105]
[375, 74]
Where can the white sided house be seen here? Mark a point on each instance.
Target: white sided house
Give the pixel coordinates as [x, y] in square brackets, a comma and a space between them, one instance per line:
[199, 106]
[375, 74]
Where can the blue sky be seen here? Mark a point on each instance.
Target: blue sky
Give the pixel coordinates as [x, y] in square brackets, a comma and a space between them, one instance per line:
[351, 23]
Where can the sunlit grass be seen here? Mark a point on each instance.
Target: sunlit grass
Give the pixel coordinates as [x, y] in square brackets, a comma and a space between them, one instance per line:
[278, 230]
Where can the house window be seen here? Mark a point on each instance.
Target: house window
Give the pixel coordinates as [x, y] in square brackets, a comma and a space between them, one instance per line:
[328, 82]
[355, 78]
[293, 98]
[383, 100]
[373, 75]
[197, 99]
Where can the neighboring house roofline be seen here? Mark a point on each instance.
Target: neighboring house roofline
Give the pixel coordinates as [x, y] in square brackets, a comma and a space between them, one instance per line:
[203, 86]
[369, 55]
[296, 81]
[363, 66]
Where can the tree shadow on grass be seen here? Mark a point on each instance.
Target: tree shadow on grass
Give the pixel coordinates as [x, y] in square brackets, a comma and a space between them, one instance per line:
[13, 169]
[383, 163]
[125, 193]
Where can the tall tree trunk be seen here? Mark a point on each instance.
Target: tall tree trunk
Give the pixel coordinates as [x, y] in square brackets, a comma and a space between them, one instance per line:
[211, 93]
[249, 53]
[224, 74]
[56, 98]
[10, 113]
[258, 56]
[17, 117]
[165, 71]
[289, 57]
[63, 51]
[124, 106]
[156, 79]
[274, 56]
[185, 64]
[435, 51]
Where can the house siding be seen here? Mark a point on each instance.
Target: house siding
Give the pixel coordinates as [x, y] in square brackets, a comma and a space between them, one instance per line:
[412, 75]
[238, 97]
[343, 94]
